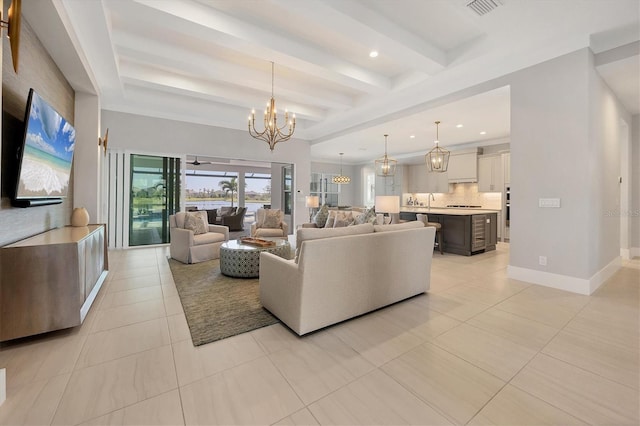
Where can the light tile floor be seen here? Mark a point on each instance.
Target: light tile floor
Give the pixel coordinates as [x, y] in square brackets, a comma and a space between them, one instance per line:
[478, 349]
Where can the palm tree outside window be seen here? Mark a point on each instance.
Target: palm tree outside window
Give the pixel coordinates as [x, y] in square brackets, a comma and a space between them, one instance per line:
[230, 186]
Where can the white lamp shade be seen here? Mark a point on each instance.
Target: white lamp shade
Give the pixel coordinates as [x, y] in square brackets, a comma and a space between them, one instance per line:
[312, 201]
[387, 204]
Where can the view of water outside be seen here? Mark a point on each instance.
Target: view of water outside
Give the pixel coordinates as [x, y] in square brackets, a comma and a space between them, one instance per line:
[206, 192]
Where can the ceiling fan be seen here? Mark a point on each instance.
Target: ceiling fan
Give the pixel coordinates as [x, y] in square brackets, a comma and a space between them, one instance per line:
[197, 163]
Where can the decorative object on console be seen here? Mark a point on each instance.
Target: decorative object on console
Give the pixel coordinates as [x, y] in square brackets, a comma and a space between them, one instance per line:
[386, 166]
[13, 24]
[79, 217]
[103, 142]
[438, 158]
[388, 204]
[272, 134]
[341, 179]
[311, 202]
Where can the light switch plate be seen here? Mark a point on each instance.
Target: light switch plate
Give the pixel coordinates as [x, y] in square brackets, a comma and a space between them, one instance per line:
[549, 202]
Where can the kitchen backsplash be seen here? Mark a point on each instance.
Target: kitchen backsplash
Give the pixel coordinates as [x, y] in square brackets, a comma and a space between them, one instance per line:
[463, 194]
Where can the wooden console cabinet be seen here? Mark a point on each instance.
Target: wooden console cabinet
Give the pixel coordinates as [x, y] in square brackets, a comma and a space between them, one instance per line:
[49, 281]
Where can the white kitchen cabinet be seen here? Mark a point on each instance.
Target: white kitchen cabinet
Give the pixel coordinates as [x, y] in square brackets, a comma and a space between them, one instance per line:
[421, 181]
[490, 173]
[463, 166]
[391, 185]
[507, 167]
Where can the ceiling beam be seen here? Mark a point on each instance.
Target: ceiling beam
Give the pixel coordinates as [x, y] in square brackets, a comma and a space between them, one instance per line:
[169, 57]
[263, 43]
[94, 31]
[357, 21]
[145, 76]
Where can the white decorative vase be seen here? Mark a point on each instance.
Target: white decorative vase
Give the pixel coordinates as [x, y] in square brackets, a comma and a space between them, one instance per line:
[79, 217]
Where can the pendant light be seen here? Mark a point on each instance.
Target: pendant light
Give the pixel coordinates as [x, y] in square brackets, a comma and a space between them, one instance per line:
[438, 158]
[386, 166]
[272, 134]
[341, 179]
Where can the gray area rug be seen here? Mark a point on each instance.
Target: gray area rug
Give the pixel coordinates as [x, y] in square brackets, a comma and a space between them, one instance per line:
[217, 306]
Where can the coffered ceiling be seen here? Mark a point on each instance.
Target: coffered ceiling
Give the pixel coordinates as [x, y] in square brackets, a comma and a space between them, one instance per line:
[209, 62]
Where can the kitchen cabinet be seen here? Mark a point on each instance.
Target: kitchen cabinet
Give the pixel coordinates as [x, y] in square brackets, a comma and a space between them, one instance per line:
[391, 185]
[464, 233]
[463, 166]
[421, 181]
[490, 173]
[507, 167]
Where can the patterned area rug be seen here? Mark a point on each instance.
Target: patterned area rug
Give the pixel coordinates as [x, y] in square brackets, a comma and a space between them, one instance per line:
[217, 306]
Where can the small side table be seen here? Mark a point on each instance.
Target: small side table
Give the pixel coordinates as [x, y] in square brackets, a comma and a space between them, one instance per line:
[243, 260]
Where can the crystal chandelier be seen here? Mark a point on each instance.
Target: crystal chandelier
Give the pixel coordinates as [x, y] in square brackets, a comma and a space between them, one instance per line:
[272, 134]
[341, 179]
[386, 166]
[438, 158]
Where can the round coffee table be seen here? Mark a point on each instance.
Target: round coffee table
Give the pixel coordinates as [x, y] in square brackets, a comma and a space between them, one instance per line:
[243, 260]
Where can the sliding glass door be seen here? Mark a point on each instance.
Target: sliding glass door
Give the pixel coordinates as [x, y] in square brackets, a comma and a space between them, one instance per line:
[155, 194]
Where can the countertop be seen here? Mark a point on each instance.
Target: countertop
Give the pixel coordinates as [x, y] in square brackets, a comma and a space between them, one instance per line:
[447, 210]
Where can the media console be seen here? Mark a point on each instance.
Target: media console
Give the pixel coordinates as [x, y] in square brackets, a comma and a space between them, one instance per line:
[49, 281]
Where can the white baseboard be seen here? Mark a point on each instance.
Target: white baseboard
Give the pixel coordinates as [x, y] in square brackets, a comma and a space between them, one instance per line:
[565, 282]
[625, 254]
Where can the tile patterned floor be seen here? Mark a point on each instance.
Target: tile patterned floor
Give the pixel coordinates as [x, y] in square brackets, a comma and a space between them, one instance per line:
[478, 349]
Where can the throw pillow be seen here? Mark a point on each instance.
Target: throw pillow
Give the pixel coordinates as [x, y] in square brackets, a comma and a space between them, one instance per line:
[343, 219]
[272, 219]
[195, 223]
[320, 218]
[368, 216]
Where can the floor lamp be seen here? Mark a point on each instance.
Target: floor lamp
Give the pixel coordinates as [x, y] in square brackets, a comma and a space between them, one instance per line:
[389, 204]
[312, 202]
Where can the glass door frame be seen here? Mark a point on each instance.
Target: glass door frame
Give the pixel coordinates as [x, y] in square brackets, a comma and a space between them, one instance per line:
[167, 173]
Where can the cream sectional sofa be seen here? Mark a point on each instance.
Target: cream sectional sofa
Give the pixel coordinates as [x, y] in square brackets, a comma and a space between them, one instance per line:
[341, 273]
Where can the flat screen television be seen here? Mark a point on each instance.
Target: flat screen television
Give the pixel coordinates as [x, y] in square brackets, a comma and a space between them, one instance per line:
[45, 156]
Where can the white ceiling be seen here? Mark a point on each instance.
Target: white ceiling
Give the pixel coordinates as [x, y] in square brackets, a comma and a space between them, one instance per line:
[208, 61]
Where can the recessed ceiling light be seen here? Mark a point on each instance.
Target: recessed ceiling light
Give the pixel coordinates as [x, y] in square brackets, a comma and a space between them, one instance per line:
[483, 132]
[412, 136]
[373, 54]
[459, 125]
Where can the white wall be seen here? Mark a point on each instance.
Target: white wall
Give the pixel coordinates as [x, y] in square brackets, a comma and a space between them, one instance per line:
[88, 157]
[635, 187]
[605, 126]
[564, 135]
[347, 191]
[154, 135]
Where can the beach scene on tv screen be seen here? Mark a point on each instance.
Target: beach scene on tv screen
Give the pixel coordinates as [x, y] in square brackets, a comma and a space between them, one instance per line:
[48, 153]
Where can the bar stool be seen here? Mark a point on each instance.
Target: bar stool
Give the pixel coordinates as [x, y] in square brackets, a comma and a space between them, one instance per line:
[425, 219]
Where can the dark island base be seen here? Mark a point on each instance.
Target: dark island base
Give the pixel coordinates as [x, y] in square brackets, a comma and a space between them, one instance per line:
[466, 234]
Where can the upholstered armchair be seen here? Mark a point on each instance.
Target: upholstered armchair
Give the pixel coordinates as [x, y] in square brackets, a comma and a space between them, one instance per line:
[193, 240]
[269, 223]
[235, 222]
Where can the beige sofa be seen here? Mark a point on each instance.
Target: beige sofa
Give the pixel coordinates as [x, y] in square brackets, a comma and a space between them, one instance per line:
[189, 248]
[346, 272]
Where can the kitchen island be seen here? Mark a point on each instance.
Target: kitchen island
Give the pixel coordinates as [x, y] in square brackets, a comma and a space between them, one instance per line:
[464, 231]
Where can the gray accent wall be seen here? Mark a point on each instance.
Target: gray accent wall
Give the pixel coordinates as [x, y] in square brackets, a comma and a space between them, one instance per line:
[37, 70]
